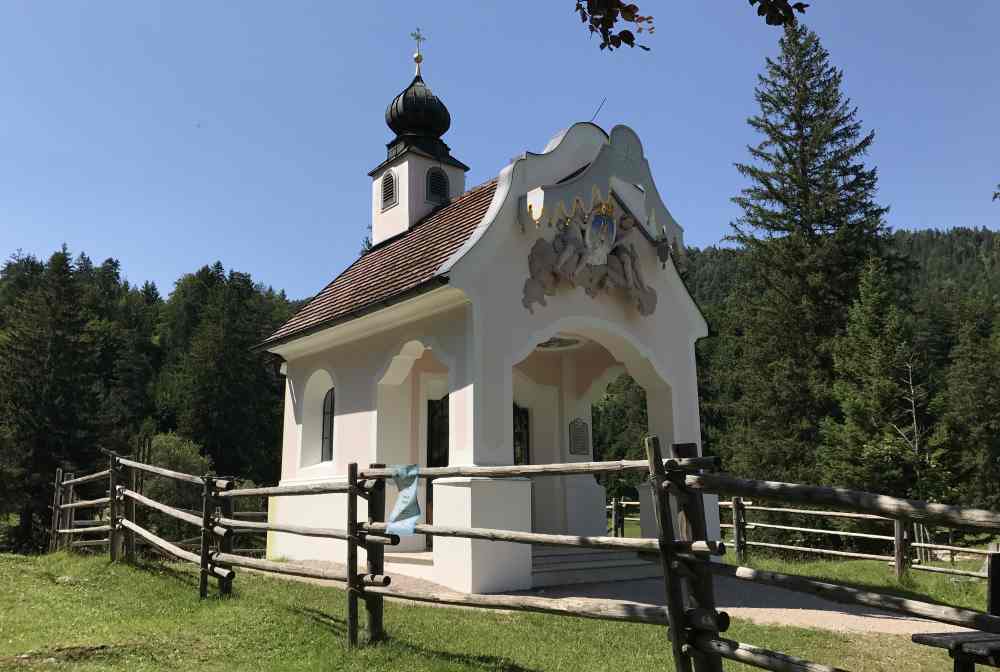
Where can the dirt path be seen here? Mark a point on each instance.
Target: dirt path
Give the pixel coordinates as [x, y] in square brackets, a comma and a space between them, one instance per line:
[754, 602]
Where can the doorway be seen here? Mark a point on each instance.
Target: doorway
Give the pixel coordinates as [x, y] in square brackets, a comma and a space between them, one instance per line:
[437, 452]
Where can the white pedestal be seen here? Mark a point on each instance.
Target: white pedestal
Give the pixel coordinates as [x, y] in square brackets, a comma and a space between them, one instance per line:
[474, 566]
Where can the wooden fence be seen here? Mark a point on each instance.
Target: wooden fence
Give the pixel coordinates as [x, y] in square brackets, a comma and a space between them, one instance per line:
[682, 547]
[902, 552]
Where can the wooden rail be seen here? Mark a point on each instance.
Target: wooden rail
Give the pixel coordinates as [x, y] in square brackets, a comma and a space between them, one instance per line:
[854, 500]
[218, 530]
[86, 503]
[609, 543]
[87, 530]
[222, 484]
[172, 549]
[812, 530]
[237, 525]
[610, 610]
[321, 488]
[88, 478]
[566, 469]
[835, 592]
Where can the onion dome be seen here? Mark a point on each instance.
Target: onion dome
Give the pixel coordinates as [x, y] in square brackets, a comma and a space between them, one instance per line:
[419, 119]
[417, 111]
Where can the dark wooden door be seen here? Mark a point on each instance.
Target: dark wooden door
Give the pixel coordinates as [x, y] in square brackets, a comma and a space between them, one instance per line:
[437, 450]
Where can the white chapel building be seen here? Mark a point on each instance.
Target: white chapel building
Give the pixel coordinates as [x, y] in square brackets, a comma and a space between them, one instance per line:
[478, 330]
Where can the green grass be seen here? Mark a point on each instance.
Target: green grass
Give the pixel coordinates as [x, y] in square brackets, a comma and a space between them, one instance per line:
[82, 613]
[958, 591]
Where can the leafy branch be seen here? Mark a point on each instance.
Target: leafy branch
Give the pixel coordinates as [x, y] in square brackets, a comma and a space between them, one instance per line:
[602, 17]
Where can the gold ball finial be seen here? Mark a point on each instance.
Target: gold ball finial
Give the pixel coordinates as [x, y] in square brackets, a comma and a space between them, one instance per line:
[418, 58]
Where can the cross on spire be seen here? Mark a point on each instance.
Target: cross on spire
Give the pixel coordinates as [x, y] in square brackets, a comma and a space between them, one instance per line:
[418, 37]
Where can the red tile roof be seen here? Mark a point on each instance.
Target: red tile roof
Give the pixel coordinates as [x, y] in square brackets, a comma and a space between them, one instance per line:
[394, 269]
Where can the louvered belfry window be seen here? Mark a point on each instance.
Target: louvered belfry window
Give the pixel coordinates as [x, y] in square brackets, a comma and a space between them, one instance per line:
[437, 186]
[388, 190]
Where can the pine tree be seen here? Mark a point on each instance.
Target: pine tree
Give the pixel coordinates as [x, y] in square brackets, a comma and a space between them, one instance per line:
[809, 224]
[46, 386]
[879, 443]
[966, 441]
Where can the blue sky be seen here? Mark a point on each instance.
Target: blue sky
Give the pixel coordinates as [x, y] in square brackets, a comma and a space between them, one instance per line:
[172, 134]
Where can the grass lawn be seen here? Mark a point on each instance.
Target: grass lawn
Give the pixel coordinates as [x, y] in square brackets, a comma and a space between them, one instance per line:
[82, 613]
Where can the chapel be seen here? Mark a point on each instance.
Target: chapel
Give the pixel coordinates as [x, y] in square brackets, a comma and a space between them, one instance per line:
[479, 329]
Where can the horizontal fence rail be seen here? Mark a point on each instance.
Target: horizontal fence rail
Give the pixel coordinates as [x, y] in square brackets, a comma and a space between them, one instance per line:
[812, 530]
[566, 469]
[611, 610]
[172, 549]
[322, 488]
[609, 543]
[222, 484]
[854, 500]
[825, 551]
[835, 592]
[812, 512]
[218, 530]
[92, 529]
[88, 478]
[86, 503]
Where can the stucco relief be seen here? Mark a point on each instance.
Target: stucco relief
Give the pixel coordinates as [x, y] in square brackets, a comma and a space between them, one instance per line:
[592, 249]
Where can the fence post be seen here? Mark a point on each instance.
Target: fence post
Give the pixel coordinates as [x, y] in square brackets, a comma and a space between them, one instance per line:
[226, 543]
[693, 524]
[901, 547]
[739, 530]
[70, 520]
[133, 481]
[56, 501]
[614, 516]
[114, 536]
[376, 557]
[353, 585]
[206, 531]
[993, 579]
[671, 565]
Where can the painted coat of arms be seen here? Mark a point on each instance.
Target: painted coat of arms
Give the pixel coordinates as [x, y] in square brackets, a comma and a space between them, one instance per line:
[593, 250]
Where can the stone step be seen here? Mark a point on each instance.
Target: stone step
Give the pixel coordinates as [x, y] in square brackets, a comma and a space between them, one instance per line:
[593, 572]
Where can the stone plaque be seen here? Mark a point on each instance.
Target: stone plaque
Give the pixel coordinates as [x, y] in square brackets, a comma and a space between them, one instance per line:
[579, 437]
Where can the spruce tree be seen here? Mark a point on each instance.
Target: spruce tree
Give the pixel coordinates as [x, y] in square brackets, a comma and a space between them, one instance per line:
[879, 444]
[809, 223]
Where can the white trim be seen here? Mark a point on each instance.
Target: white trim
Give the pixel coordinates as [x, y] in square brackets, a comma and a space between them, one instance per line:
[419, 307]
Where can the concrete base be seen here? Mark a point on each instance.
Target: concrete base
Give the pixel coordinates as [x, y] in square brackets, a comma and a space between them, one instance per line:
[473, 566]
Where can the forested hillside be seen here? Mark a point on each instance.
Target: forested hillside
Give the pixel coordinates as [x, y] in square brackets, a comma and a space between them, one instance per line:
[89, 361]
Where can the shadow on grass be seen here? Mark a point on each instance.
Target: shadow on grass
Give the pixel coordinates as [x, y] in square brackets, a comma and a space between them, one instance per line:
[331, 623]
[482, 661]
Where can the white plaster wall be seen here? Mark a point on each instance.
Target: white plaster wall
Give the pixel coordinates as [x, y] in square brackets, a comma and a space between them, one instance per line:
[473, 566]
[356, 367]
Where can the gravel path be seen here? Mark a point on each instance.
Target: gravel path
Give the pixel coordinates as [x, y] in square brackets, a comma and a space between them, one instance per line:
[766, 605]
[741, 599]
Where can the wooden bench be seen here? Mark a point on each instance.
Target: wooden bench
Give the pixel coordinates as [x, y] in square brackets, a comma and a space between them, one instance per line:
[967, 649]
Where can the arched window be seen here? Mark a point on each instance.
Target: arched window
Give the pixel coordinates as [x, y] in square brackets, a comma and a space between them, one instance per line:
[388, 190]
[437, 186]
[326, 453]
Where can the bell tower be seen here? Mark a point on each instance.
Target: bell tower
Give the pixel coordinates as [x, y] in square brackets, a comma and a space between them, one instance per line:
[419, 173]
